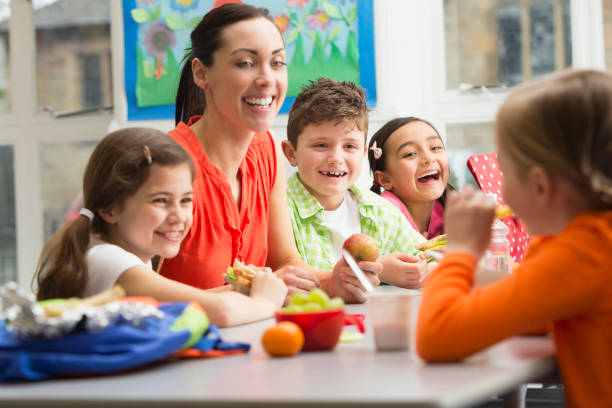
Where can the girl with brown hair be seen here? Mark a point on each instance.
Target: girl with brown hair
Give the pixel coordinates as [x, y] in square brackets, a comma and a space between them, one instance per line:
[137, 197]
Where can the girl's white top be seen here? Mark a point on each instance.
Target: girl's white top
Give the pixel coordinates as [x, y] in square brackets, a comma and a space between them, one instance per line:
[106, 263]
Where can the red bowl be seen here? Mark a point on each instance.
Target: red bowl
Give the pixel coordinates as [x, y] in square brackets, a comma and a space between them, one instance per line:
[322, 329]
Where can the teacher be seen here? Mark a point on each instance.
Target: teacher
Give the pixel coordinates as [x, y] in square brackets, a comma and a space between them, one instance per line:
[233, 83]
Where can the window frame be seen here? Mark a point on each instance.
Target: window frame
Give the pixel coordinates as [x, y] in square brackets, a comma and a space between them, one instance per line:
[26, 129]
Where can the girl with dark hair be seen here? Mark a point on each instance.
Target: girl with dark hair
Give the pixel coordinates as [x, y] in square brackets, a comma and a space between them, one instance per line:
[408, 159]
[137, 192]
[231, 88]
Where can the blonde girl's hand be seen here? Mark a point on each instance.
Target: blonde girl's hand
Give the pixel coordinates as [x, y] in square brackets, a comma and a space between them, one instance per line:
[403, 270]
[467, 221]
[268, 287]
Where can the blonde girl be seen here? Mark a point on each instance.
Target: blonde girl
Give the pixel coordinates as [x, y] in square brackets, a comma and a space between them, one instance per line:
[554, 140]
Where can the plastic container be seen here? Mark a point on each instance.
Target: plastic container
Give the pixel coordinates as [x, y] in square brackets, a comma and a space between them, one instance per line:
[322, 329]
[390, 313]
[498, 256]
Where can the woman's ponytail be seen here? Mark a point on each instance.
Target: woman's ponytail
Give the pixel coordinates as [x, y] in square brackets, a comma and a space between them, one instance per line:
[189, 98]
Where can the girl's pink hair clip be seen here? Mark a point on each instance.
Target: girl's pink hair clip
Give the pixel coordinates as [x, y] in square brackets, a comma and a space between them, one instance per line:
[377, 151]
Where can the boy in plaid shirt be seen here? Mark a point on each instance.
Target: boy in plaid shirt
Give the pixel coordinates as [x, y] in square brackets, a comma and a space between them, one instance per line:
[326, 134]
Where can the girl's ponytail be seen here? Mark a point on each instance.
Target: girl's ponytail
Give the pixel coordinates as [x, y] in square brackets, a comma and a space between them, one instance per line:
[118, 166]
[376, 188]
[62, 268]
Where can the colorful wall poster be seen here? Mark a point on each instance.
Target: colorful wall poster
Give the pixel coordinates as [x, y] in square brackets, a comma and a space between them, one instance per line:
[333, 38]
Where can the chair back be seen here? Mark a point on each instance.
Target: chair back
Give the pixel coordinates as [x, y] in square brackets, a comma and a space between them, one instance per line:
[485, 170]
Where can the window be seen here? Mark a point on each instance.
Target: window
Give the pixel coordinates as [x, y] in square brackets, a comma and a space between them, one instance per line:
[73, 54]
[8, 239]
[607, 25]
[5, 14]
[508, 43]
[59, 66]
[61, 184]
[463, 141]
[488, 47]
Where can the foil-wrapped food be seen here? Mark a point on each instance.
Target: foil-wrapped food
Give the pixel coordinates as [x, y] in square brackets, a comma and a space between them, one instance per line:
[27, 318]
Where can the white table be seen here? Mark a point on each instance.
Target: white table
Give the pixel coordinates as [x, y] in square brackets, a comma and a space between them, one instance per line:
[353, 374]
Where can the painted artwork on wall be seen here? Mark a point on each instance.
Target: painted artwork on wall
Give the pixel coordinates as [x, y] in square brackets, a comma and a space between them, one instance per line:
[333, 38]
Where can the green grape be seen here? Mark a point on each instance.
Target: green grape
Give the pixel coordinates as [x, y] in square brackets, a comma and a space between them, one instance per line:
[292, 309]
[312, 307]
[334, 304]
[299, 298]
[318, 296]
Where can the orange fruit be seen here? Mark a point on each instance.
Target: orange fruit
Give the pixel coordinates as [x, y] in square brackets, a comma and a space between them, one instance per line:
[283, 339]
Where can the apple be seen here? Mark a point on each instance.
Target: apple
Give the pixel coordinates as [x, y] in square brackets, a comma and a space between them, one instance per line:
[363, 247]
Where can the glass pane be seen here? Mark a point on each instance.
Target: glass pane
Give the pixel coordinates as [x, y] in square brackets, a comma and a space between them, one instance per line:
[5, 14]
[8, 236]
[62, 168]
[73, 51]
[464, 140]
[607, 25]
[510, 42]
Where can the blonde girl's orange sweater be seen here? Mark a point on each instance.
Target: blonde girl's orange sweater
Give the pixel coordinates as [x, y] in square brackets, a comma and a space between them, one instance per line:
[565, 280]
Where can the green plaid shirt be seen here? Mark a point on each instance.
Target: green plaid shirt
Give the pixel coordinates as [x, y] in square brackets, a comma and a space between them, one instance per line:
[379, 219]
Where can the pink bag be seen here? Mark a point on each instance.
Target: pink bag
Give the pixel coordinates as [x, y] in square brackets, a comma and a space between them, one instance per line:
[488, 176]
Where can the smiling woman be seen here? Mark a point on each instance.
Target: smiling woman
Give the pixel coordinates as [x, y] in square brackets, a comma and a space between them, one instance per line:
[231, 88]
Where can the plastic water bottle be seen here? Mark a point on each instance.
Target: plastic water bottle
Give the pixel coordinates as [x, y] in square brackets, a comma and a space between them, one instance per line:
[498, 256]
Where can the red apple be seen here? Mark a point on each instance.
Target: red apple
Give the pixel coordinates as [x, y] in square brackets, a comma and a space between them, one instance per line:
[363, 247]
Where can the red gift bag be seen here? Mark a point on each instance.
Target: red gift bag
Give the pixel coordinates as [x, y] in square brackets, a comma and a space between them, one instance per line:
[488, 176]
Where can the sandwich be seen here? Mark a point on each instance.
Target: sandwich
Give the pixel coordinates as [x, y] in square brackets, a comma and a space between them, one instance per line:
[240, 276]
[437, 244]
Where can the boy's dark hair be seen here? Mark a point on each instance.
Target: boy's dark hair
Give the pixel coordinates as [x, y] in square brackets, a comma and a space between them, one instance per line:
[327, 100]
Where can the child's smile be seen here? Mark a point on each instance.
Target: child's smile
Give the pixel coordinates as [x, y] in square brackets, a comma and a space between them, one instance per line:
[416, 163]
[431, 177]
[155, 219]
[328, 156]
[334, 174]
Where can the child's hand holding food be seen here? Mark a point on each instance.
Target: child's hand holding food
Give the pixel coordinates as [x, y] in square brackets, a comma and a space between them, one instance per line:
[467, 220]
[403, 270]
[266, 285]
[364, 250]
